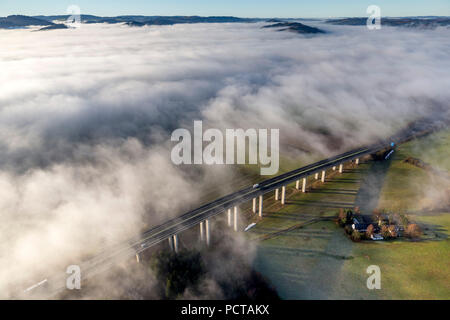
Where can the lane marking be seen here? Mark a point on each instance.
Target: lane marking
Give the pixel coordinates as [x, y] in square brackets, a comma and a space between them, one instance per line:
[36, 285]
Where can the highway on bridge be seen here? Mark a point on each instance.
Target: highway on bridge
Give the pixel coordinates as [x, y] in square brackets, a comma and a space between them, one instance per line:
[192, 218]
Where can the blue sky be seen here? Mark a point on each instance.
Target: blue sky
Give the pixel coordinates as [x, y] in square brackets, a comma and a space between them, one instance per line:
[241, 8]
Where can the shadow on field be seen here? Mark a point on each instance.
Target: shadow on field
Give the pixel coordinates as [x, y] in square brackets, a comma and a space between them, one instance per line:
[341, 180]
[369, 192]
[325, 204]
[306, 263]
[432, 232]
[335, 191]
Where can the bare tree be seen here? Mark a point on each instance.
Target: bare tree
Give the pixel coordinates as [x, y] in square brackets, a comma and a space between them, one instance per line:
[392, 231]
[385, 232]
[342, 217]
[356, 236]
[413, 231]
[369, 231]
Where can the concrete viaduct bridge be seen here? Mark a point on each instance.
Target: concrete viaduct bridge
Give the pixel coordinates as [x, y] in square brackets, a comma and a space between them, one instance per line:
[229, 205]
[256, 194]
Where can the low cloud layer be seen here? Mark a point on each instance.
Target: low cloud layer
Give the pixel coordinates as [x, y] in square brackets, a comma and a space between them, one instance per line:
[86, 117]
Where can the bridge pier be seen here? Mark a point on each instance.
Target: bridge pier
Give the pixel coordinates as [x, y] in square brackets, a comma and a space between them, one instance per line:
[175, 243]
[341, 168]
[208, 235]
[261, 205]
[283, 195]
[323, 176]
[202, 236]
[138, 258]
[276, 194]
[229, 217]
[297, 184]
[171, 243]
[304, 185]
[235, 219]
[316, 176]
[357, 161]
[334, 168]
[254, 205]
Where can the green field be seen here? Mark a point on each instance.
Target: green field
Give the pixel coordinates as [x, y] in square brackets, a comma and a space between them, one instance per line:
[410, 270]
[299, 246]
[409, 188]
[433, 149]
[306, 258]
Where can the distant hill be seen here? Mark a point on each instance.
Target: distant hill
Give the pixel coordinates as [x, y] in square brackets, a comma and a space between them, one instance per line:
[411, 22]
[54, 27]
[84, 17]
[295, 27]
[150, 20]
[135, 24]
[274, 20]
[19, 21]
